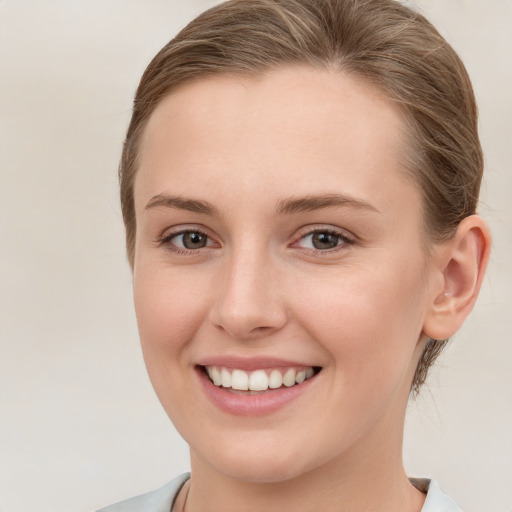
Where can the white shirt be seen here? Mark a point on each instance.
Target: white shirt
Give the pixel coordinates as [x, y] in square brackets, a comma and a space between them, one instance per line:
[162, 500]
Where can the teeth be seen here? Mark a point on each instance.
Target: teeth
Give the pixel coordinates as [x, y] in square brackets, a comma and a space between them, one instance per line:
[225, 378]
[259, 380]
[300, 377]
[215, 376]
[239, 380]
[289, 378]
[275, 379]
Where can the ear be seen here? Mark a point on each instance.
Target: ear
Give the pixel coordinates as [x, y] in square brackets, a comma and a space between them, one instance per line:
[459, 266]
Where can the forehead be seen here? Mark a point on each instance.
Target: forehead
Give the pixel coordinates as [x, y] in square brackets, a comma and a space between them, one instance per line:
[299, 128]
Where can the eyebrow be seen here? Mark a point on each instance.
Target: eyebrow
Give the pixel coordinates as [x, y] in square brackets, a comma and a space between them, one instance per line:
[181, 203]
[285, 206]
[318, 202]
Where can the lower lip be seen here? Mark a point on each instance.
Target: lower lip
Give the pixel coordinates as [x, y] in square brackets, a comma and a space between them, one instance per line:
[252, 405]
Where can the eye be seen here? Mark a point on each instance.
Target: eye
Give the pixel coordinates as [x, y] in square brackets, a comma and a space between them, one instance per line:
[190, 240]
[323, 240]
[187, 240]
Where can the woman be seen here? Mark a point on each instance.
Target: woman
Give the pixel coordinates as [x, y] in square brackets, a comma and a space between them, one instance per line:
[299, 184]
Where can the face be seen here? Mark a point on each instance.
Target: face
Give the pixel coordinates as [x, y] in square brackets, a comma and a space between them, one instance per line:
[280, 279]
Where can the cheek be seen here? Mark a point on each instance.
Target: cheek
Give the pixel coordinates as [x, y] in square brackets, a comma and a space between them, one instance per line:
[169, 308]
[169, 311]
[368, 321]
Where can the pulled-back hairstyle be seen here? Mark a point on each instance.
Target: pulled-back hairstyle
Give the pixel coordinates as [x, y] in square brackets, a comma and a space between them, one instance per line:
[383, 43]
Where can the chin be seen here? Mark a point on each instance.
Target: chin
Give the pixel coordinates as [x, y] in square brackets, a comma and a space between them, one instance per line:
[260, 472]
[258, 463]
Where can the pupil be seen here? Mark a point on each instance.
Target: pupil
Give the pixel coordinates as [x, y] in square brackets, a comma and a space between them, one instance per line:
[194, 240]
[325, 240]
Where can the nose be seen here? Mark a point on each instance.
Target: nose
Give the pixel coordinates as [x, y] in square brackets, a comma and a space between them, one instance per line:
[249, 302]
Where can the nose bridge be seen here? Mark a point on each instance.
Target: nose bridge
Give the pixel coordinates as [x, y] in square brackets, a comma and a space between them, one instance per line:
[248, 302]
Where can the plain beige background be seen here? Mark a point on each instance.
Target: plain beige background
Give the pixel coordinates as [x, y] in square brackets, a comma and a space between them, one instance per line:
[79, 424]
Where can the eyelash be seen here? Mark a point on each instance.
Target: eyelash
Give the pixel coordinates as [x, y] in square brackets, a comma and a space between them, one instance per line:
[166, 241]
[344, 240]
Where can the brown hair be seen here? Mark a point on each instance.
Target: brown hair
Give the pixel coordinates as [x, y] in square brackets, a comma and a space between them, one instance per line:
[383, 42]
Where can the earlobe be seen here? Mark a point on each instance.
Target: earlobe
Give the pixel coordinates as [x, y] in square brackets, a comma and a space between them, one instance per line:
[460, 264]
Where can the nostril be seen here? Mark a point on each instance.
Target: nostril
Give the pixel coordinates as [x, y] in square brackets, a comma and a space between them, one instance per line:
[262, 329]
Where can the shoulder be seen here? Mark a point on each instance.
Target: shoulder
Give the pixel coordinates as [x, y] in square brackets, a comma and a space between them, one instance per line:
[159, 500]
[436, 500]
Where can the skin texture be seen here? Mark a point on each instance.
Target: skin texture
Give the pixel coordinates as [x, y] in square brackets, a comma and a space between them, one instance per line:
[260, 288]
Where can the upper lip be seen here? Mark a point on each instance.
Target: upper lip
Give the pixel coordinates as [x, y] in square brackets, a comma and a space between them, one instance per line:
[251, 363]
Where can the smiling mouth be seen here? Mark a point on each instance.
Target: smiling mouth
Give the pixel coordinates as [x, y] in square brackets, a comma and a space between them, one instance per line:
[258, 381]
